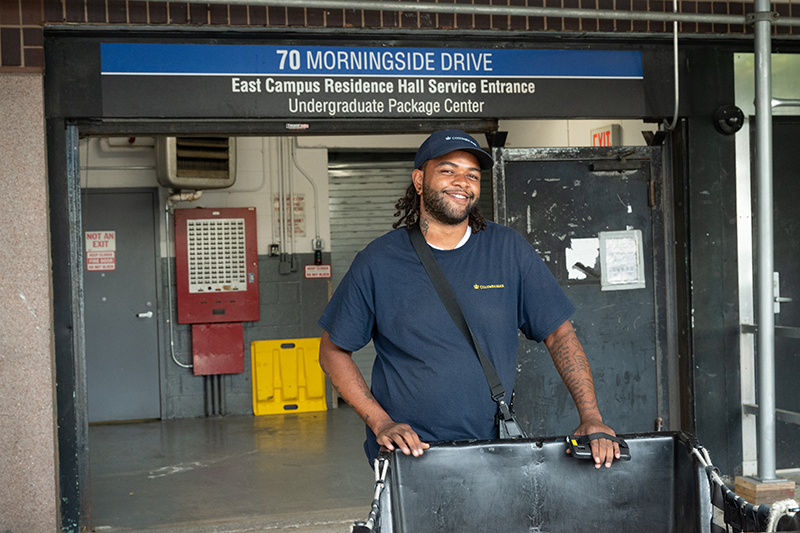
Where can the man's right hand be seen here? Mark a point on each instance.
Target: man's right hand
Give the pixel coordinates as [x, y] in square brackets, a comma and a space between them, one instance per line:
[346, 379]
[393, 435]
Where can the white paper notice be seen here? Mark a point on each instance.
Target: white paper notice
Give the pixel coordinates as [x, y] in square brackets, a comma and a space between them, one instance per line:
[622, 260]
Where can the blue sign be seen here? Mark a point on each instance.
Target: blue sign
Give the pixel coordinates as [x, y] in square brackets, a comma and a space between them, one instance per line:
[340, 82]
[260, 60]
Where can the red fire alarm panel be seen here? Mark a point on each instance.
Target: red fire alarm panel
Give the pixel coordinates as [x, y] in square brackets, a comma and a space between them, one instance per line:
[216, 259]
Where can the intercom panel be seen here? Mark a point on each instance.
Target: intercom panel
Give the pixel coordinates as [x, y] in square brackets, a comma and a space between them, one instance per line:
[216, 259]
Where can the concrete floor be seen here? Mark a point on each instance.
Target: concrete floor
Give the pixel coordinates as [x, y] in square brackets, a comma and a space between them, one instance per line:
[298, 472]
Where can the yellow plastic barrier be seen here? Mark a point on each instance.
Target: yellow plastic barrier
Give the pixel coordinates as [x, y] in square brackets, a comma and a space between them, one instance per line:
[287, 377]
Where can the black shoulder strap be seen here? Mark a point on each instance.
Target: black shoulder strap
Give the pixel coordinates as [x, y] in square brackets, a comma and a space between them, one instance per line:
[451, 304]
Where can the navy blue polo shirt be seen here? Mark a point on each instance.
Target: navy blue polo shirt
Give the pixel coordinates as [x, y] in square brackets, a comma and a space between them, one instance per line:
[426, 373]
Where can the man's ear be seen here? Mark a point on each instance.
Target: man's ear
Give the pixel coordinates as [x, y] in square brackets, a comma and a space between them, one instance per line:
[416, 179]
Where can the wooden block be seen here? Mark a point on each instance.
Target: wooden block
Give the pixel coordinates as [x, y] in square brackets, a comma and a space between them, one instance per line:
[757, 492]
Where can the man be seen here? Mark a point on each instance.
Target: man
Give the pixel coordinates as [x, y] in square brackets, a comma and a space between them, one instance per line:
[427, 382]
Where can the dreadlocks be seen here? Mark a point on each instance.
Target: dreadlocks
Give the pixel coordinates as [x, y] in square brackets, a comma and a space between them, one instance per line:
[408, 210]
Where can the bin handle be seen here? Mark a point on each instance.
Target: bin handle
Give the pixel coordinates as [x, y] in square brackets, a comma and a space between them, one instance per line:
[381, 465]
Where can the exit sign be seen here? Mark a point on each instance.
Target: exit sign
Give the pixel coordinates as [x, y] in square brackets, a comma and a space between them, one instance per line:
[101, 250]
[610, 135]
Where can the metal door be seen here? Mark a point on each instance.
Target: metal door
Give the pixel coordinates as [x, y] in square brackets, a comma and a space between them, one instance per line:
[362, 194]
[560, 200]
[786, 227]
[120, 306]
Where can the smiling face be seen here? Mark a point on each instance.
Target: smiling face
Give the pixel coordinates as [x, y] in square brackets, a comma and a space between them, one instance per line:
[450, 186]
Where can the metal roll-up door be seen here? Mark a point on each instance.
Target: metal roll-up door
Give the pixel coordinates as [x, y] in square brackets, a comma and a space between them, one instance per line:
[363, 190]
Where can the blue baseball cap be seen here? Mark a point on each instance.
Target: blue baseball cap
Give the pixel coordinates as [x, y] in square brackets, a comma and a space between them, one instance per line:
[446, 141]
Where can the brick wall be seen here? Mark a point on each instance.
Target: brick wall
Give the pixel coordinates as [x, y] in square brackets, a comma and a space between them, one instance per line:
[21, 43]
[21, 47]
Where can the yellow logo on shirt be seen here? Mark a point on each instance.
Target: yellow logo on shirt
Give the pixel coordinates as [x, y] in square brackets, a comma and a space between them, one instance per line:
[479, 287]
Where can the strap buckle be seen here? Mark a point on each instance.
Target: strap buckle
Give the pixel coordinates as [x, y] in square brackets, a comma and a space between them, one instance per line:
[505, 412]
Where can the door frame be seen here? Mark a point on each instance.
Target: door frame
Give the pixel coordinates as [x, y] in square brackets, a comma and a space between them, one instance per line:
[668, 400]
[784, 66]
[747, 214]
[73, 108]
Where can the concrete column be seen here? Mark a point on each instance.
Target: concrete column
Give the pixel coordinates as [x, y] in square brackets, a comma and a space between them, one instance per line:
[28, 444]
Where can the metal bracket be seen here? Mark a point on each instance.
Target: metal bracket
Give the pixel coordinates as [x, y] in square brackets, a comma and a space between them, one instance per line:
[783, 415]
[769, 16]
[620, 166]
[780, 331]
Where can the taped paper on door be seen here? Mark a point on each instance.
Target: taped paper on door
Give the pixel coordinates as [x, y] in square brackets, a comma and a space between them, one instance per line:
[582, 259]
[621, 260]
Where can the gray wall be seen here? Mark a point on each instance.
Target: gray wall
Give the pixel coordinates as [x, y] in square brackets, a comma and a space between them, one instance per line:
[290, 307]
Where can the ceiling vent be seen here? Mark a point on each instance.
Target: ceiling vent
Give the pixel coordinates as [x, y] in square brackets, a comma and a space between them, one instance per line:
[196, 162]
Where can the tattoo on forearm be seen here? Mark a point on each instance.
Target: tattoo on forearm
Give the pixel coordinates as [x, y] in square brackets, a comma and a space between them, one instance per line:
[368, 393]
[361, 384]
[573, 367]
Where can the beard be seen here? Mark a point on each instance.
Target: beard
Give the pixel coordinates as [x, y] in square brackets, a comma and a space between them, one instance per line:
[438, 208]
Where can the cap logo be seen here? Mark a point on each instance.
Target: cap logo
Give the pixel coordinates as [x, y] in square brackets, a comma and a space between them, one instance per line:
[470, 141]
[442, 142]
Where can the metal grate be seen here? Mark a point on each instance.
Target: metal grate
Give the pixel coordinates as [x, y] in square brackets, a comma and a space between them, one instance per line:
[202, 157]
[362, 198]
[363, 190]
[216, 251]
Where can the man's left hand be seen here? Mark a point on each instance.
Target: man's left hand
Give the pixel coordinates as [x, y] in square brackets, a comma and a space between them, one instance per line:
[604, 451]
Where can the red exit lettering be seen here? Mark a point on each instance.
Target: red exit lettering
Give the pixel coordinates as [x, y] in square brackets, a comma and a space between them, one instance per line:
[601, 139]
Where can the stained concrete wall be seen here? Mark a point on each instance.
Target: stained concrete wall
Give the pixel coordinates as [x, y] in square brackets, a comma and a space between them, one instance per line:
[259, 166]
[289, 309]
[28, 499]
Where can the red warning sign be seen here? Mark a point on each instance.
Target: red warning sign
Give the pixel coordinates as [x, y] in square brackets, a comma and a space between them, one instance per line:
[101, 250]
[318, 271]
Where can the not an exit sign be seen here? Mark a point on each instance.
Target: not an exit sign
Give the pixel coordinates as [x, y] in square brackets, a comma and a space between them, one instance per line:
[101, 250]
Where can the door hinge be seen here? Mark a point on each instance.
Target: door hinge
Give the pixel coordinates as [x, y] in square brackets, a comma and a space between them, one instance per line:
[651, 193]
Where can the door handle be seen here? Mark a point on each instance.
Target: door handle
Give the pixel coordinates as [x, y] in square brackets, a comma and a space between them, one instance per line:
[776, 291]
[148, 314]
